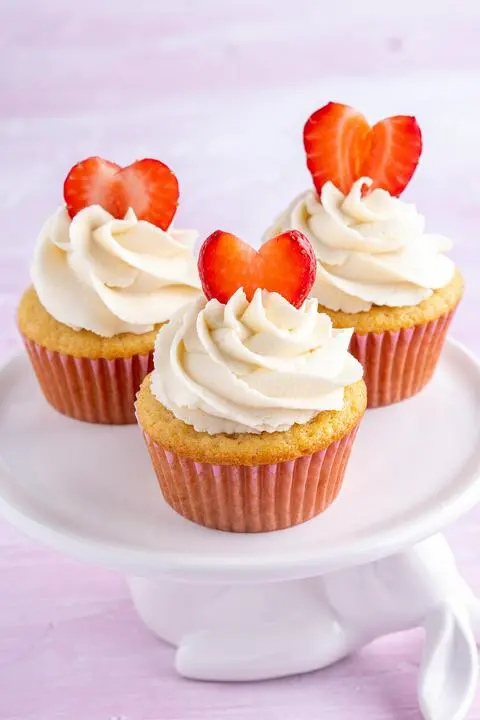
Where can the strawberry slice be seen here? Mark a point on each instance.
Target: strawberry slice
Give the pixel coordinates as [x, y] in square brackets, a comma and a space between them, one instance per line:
[335, 137]
[341, 147]
[395, 149]
[151, 189]
[147, 186]
[285, 264]
[92, 182]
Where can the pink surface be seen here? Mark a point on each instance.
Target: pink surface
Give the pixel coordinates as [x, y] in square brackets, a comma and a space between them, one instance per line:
[219, 91]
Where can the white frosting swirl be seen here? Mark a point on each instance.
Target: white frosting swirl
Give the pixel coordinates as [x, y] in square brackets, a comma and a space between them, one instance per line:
[371, 250]
[112, 276]
[252, 367]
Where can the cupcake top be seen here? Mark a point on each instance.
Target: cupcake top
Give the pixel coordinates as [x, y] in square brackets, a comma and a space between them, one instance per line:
[109, 261]
[371, 247]
[252, 362]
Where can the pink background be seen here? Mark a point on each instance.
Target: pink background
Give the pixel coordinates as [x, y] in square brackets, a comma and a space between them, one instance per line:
[219, 91]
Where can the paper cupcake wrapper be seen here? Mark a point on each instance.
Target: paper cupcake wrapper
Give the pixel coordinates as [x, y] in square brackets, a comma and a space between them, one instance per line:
[96, 391]
[399, 364]
[252, 498]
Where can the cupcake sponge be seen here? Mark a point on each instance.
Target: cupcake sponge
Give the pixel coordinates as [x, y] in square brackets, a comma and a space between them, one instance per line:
[381, 319]
[36, 324]
[246, 448]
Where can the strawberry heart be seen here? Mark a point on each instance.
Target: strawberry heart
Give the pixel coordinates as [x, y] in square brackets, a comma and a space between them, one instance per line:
[148, 187]
[341, 147]
[285, 264]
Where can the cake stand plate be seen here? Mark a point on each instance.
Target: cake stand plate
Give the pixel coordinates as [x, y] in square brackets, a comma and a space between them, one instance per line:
[242, 607]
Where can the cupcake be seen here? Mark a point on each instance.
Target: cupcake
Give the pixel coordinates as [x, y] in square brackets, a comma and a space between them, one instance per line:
[108, 270]
[378, 271]
[254, 402]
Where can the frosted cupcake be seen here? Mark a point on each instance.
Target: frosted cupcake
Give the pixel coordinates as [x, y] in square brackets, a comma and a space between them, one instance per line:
[108, 270]
[378, 271]
[254, 403]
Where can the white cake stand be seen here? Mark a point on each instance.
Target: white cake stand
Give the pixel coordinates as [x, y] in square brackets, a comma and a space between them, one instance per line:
[249, 607]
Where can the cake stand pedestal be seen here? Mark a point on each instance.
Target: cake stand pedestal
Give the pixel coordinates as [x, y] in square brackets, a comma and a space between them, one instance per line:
[250, 607]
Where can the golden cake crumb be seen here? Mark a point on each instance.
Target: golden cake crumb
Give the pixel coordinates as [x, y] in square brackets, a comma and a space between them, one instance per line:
[382, 319]
[246, 448]
[38, 325]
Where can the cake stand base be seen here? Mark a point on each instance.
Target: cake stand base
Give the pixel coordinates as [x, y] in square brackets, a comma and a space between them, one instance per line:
[256, 631]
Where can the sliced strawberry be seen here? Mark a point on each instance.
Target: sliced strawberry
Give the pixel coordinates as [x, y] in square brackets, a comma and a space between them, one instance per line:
[334, 139]
[147, 186]
[151, 189]
[341, 147]
[285, 264]
[395, 149]
[92, 182]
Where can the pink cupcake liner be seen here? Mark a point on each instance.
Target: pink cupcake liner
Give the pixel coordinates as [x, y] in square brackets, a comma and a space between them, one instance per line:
[96, 391]
[252, 498]
[399, 364]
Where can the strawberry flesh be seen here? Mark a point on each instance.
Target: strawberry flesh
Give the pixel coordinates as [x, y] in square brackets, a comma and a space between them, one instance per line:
[341, 147]
[285, 264]
[147, 186]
